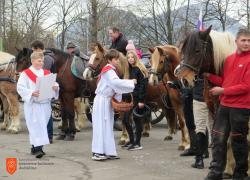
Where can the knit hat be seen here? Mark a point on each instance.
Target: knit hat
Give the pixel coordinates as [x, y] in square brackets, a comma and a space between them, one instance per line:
[130, 45]
[71, 45]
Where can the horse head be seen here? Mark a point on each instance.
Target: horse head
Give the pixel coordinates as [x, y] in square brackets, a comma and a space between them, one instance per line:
[164, 60]
[96, 62]
[197, 57]
[23, 59]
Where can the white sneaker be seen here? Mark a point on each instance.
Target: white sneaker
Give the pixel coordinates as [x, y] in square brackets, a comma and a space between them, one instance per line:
[98, 157]
[134, 147]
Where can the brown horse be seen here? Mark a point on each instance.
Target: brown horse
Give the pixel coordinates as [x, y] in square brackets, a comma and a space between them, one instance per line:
[154, 94]
[8, 94]
[70, 87]
[163, 63]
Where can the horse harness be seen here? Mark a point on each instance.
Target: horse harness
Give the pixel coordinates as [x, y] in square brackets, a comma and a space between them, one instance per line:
[197, 70]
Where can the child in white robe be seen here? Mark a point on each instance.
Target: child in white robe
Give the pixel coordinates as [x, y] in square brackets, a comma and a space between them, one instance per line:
[103, 142]
[36, 113]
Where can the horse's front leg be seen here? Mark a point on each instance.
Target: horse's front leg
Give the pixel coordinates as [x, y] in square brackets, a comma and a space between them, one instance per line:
[124, 136]
[171, 121]
[15, 125]
[69, 111]
[81, 108]
[5, 123]
[185, 142]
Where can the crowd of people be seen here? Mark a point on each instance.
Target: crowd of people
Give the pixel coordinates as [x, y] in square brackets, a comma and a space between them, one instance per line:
[232, 116]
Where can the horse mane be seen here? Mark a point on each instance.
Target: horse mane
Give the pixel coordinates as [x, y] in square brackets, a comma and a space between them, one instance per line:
[223, 45]
[59, 53]
[172, 53]
[123, 66]
[6, 60]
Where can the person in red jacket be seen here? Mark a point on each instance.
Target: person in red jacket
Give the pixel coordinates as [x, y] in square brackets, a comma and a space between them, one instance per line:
[232, 117]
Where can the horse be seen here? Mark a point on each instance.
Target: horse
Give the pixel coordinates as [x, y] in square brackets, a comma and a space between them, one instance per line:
[206, 52]
[153, 96]
[164, 60]
[8, 94]
[70, 87]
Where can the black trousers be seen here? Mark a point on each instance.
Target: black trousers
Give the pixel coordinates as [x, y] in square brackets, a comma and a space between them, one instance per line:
[129, 128]
[230, 122]
[187, 98]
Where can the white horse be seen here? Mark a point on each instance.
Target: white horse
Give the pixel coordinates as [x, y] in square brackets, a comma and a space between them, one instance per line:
[8, 94]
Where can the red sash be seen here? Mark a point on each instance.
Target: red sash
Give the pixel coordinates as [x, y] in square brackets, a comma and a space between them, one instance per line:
[104, 69]
[32, 75]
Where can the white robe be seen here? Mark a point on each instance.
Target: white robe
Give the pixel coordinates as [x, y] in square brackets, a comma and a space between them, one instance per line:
[103, 141]
[36, 113]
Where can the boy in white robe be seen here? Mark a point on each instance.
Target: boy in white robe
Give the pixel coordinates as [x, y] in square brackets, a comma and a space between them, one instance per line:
[36, 113]
[103, 142]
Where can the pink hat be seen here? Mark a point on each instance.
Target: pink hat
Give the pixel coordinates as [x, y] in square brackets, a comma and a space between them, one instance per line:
[130, 45]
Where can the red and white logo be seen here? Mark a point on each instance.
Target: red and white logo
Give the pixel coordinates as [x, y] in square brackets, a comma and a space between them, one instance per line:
[11, 165]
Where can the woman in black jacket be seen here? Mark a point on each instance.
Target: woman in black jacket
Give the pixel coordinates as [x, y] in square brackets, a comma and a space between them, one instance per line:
[136, 71]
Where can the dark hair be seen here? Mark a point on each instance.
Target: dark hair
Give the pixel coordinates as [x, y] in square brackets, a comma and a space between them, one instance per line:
[242, 32]
[115, 29]
[37, 44]
[112, 53]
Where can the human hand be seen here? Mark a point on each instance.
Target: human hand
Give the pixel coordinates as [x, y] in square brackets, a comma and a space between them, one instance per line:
[135, 81]
[140, 105]
[216, 91]
[55, 88]
[35, 93]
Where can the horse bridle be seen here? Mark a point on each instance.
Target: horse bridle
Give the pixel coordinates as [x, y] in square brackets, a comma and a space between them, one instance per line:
[197, 69]
[154, 71]
[96, 69]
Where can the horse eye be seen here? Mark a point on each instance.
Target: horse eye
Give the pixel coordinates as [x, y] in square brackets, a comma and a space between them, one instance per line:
[197, 51]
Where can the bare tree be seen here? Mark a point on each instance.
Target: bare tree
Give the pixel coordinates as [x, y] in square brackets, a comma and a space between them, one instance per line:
[96, 9]
[244, 13]
[65, 17]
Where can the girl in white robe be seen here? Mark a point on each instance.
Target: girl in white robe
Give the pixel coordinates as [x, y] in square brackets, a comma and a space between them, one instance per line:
[36, 113]
[103, 142]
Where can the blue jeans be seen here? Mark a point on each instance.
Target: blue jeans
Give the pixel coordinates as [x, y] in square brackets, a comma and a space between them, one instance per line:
[50, 128]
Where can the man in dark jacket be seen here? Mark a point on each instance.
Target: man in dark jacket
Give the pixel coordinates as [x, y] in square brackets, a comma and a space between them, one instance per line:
[48, 64]
[119, 42]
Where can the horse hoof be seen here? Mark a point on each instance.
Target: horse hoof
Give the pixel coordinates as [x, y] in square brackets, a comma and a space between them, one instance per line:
[168, 138]
[14, 131]
[3, 127]
[78, 129]
[121, 142]
[181, 148]
[145, 134]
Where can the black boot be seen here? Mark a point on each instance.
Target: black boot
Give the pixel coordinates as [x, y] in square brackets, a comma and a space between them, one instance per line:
[213, 176]
[61, 136]
[192, 151]
[199, 164]
[206, 152]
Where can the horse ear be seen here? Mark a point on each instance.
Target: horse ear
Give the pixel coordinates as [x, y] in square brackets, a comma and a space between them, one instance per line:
[160, 50]
[151, 49]
[205, 33]
[17, 49]
[100, 47]
[25, 51]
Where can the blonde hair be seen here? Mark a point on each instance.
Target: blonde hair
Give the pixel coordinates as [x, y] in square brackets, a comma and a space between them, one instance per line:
[223, 46]
[138, 63]
[36, 55]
